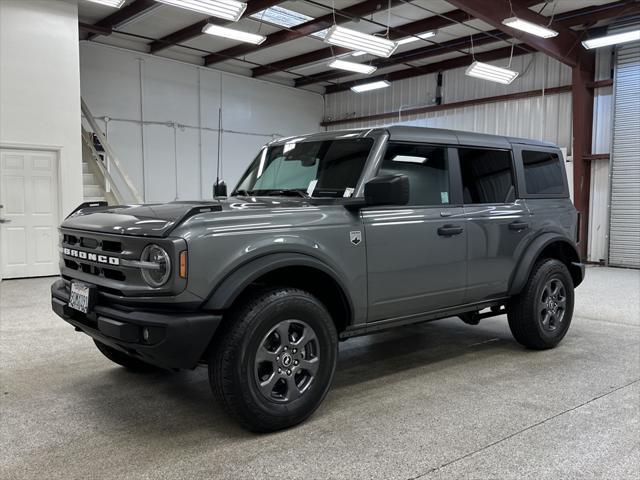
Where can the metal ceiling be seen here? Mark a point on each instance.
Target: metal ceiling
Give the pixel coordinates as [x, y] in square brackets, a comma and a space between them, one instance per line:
[295, 56]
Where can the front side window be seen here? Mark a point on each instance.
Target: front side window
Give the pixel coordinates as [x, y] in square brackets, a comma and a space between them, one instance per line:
[542, 172]
[427, 169]
[328, 168]
[487, 175]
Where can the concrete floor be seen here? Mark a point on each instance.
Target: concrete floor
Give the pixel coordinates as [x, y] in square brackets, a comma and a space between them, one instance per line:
[441, 400]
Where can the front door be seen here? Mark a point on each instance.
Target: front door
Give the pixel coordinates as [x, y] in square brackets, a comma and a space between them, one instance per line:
[416, 254]
[29, 213]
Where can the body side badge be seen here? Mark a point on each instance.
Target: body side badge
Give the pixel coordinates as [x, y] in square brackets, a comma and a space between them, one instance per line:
[356, 237]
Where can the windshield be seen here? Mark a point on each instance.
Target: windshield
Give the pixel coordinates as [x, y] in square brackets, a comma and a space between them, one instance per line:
[328, 168]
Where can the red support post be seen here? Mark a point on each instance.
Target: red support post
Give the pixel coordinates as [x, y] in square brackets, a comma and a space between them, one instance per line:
[582, 105]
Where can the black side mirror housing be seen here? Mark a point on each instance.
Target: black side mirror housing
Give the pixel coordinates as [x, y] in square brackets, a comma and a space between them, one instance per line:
[387, 190]
[219, 189]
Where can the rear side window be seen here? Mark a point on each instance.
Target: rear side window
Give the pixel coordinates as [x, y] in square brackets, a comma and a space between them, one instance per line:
[427, 169]
[542, 172]
[487, 175]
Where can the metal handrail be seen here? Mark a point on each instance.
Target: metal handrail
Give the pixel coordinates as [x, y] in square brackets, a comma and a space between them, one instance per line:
[109, 151]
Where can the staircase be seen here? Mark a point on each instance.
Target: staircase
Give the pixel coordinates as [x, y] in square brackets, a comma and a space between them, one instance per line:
[99, 161]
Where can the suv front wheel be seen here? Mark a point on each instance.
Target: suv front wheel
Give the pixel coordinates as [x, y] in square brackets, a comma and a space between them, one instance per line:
[540, 315]
[273, 365]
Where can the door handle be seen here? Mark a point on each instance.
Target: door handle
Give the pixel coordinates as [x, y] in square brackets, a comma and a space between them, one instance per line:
[4, 220]
[518, 226]
[449, 230]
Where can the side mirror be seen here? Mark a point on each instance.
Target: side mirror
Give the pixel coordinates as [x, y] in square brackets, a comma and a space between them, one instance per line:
[219, 189]
[387, 190]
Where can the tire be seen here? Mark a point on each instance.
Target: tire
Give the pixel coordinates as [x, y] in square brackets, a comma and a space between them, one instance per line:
[127, 361]
[251, 349]
[540, 316]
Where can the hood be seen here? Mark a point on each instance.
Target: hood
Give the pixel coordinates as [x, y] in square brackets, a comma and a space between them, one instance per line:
[152, 220]
[158, 220]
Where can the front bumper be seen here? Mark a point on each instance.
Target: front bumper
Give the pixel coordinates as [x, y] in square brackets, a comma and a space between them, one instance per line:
[169, 339]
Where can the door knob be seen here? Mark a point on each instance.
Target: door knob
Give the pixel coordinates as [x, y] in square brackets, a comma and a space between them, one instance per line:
[4, 220]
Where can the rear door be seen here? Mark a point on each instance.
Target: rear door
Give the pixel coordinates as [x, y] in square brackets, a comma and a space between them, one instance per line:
[497, 221]
[416, 253]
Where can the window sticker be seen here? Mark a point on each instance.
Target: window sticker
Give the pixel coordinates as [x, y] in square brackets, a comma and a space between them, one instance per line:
[311, 187]
[444, 197]
[348, 192]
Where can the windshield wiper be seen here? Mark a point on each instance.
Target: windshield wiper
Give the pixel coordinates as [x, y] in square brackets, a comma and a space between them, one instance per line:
[244, 193]
[286, 192]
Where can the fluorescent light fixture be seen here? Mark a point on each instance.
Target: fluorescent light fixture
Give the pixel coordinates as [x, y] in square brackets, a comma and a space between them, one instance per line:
[352, 66]
[361, 42]
[283, 17]
[109, 3]
[529, 27]
[625, 37]
[227, 9]
[232, 34]
[365, 87]
[492, 73]
[415, 38]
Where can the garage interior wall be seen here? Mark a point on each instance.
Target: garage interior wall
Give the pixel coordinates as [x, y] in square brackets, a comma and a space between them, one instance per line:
[40, 86]
[546, 118]
[174, 155]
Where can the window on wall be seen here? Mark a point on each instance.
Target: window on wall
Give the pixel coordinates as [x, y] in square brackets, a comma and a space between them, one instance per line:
[427, 169]
[543, 173]
[487, 175]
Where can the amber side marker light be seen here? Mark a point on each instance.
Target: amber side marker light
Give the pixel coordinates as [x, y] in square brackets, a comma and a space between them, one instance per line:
[183, 264]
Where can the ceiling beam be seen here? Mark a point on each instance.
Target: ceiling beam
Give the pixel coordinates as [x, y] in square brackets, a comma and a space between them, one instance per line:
[479, 39]
[312, 26]
[122, 16]
[565, 47]
[583, 16]
[195, 30]
[434, 22]
[448, 64]
[413, 28]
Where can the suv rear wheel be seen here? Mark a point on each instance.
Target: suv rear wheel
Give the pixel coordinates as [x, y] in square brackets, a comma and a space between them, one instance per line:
[540, 315]
[125, 360]
[273, 365]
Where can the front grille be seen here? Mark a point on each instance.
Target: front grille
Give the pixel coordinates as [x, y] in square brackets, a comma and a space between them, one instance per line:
[104, 259]
[91, 245]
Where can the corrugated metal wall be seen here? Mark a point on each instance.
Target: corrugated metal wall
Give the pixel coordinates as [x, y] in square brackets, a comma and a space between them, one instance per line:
[599, 198]
[624, 232]
[548, 119]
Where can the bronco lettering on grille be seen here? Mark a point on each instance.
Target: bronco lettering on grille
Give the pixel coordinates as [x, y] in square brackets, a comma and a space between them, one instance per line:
[92, 257]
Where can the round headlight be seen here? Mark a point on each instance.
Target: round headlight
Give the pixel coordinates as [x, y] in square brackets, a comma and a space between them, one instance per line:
[156, 277]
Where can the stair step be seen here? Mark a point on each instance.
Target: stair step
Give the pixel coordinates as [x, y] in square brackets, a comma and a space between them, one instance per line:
[88, 179]
[93, 191]
[94, 199]
[85, 167]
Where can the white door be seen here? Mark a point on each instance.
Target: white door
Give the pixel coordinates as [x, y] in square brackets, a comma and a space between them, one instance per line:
[29, 213]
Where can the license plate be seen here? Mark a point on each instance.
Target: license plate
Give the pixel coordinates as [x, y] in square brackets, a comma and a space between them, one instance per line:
[79, 298]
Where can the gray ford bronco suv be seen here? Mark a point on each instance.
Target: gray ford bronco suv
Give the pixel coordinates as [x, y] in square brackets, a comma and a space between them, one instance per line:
[325, 237]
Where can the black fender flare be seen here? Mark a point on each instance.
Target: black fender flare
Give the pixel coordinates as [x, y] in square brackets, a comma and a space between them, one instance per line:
[531, 255]
[228, 290]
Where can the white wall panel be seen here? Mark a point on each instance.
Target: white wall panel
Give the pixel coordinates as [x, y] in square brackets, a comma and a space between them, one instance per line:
[179, 106]
[40, 85]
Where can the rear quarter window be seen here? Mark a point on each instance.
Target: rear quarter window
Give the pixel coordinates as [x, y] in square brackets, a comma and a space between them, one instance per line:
[543, 174]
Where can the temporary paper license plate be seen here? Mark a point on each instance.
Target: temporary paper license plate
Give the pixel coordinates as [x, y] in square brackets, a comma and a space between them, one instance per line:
[79, 298]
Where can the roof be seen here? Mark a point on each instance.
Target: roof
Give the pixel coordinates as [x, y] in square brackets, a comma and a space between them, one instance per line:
[421, 134]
